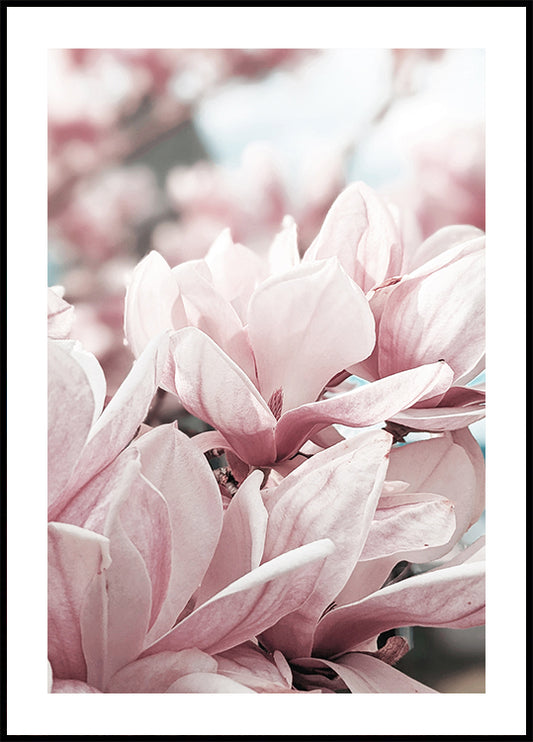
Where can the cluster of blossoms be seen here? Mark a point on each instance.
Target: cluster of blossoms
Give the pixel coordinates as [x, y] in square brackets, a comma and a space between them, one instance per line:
[270, 554]
[105, 104]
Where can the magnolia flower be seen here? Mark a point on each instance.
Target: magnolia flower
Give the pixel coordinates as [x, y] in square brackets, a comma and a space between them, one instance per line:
[124, 611]
[341, 494]
[345, 493]
[428, 303]
[254, 355]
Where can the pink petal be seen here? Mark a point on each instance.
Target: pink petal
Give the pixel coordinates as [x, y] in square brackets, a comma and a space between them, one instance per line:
[155, 674]
[236, 271]
[212, 387]
[125, 412]
[365, 405]
[72, 686]
[327, 496]
[71, 406]
[75, 556]
[448, 465]
[360, 230]
[409, 526]
[436, 315]
[440, 241]
[298, 352]
[249, 665]
[283, 252]
[452, 597]
[438, 419]
[116, 612]
[241, 543]
[207, 683]
[153, 303]
[363, 673]
[173, 464]
[90, 505]
[210, 312]
[251, 604]
[60, 316]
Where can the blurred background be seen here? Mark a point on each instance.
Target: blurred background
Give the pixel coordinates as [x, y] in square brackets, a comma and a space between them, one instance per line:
[161, 149]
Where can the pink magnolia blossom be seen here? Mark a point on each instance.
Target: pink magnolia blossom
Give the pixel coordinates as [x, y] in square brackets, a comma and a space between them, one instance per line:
[131, 547]
[344, 494]
[428, 302]
[124, 564]
[250, 338]
[374, 524]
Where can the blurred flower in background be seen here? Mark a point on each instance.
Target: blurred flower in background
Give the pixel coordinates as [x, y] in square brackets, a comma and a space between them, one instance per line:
[163, 149]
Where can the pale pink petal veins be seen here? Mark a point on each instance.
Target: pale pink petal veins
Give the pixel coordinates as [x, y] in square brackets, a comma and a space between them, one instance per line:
[241, 543]
[174, 465]
[212, 387]
[251, 604]
[299, 351]
[365, 405]
[75, 557]
[116, 612]
[153, 303]
[360, 230]
[127, 409]
[436, 315]
[453, 597]
[71, 407]
[331, 496]
[89, 506]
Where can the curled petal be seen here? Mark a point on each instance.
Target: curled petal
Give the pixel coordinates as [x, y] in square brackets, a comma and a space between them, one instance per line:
[118, 423]
[75, 557]
[363, 673]
[365, 405]
[438, 419]
[439, 314]
[172, 463]
[251, 604]
[360, 230]
[153, 303]
[453, 597]
[212, 387]
[208, 311]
